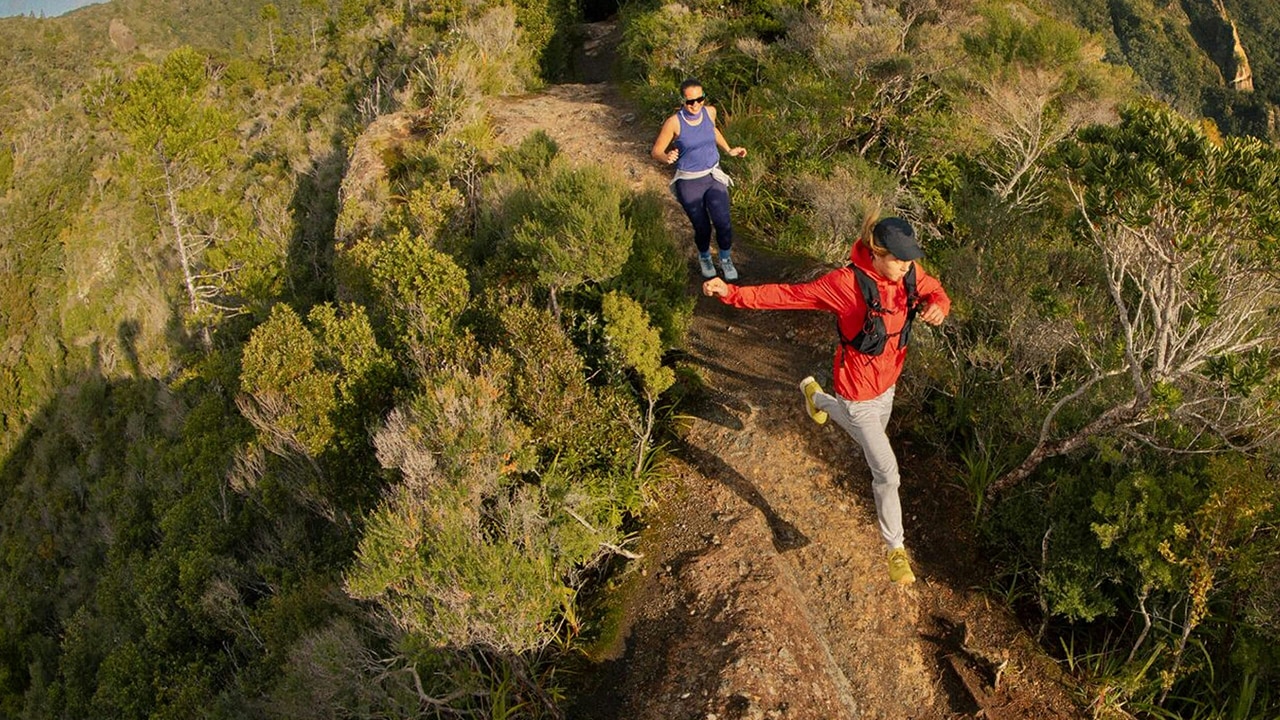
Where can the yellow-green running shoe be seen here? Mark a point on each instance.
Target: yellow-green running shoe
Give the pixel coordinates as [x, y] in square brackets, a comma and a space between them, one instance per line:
[809, 386]
[900, 567]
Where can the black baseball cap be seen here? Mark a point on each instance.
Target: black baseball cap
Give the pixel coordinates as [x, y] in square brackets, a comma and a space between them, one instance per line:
[897, 236]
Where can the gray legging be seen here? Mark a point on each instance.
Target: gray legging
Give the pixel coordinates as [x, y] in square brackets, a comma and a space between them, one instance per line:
[866, 421]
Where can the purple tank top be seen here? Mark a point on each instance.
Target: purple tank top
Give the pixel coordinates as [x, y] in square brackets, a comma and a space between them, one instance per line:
[697, 144]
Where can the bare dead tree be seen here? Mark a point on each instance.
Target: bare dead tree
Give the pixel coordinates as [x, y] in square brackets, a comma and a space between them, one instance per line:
[1182, 245]
[1027, 114]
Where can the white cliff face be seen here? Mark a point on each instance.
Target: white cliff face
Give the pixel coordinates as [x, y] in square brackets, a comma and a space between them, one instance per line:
[1240, 75]
[1243, 78]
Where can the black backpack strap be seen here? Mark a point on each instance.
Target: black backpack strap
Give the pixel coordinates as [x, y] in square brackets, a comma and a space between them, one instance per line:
[913, 295]
[913, 306]
[870, 296]
[867, 286]
[871, 339]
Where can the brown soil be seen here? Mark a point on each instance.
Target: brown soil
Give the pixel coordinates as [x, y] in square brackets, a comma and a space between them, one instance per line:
[762, 591]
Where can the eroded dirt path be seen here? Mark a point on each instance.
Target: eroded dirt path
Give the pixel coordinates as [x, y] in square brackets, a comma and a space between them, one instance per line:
[762, 592]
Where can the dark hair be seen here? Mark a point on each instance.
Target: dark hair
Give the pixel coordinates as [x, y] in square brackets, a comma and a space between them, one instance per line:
[688, 83]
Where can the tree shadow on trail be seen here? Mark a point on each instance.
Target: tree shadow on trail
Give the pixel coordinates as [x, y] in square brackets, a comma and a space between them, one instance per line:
[770, 352]
[761, 383]
[719, 408]
[786, 536]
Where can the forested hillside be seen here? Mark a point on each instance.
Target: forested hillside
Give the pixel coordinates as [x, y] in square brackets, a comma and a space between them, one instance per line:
[319, 402]
[1204, 57]
[308, 415]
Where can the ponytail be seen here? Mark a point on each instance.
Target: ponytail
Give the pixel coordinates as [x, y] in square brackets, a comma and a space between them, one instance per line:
[867, 234]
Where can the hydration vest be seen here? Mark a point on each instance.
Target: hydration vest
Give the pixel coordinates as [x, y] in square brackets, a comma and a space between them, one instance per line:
[873, 337]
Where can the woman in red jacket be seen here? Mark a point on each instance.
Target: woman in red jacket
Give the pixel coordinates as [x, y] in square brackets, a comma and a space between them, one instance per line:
[875, 299]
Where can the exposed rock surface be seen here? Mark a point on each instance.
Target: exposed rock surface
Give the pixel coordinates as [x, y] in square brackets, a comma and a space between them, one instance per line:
[1227, 51]
[1239, 75]
[121, 36]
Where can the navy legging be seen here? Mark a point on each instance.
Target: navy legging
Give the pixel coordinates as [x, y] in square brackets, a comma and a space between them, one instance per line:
[706, 201]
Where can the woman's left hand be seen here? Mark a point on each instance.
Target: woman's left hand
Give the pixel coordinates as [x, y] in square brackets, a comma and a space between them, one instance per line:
[932, 314]
[738, 152]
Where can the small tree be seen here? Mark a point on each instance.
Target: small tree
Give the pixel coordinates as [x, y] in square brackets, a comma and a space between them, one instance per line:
[316, 10]
[1186, 231]
[572, 227]
[1030, 86]
[179, 140]
[639, 344]
[270, 16]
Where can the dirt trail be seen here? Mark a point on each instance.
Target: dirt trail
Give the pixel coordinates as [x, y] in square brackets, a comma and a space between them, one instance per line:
[763, 592]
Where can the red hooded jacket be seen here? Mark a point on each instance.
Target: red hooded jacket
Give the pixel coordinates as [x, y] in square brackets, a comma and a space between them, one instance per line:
[857, 376]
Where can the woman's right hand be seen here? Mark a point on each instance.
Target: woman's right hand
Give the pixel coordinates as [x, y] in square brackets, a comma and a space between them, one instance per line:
[715, 287]
[672, 156]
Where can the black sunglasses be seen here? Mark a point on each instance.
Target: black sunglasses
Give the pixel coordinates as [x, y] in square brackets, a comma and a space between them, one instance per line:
[694, 101]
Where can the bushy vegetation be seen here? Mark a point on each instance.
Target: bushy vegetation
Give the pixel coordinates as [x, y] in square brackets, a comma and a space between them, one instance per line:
[1107, 380]
[311, 408]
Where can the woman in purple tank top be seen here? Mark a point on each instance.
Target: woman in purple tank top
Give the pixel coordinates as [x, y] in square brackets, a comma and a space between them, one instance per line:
[690, 140]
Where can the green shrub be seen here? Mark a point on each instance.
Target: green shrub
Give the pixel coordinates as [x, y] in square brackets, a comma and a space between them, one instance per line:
[296, 396]
[654, 274]
[670, 43]
[505, 64]
[580, 425]
[333, 672]
[559, 228]
[834, 205]
[414, 293]
[442, 554]
[311, 390]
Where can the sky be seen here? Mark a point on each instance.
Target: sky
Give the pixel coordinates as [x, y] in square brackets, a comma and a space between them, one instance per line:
[49, 7]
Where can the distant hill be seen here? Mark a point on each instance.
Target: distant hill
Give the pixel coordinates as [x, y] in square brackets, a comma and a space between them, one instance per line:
[41, 8]
[60, 51]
